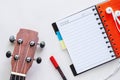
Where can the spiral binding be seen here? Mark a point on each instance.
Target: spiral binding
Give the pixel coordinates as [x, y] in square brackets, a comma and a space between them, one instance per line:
[106, 30]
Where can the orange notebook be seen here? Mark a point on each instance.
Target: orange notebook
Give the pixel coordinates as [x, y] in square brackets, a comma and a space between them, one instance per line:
[91, 36]
[110, 24]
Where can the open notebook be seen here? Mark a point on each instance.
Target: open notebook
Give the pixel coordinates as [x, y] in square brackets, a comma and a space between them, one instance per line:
[86, 38]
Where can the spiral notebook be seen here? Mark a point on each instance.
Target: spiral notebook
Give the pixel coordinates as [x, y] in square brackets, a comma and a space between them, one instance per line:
[90, 37]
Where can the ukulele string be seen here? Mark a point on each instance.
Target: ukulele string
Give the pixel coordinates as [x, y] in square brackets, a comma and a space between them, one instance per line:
[13, 69]
[26, 57]
[15, 63]
[22, 68]
[18, 61]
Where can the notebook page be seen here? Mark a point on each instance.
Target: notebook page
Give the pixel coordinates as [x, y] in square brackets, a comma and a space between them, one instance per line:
[84, 40]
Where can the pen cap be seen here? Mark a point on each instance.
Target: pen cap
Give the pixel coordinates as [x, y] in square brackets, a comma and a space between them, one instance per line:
[54, 62]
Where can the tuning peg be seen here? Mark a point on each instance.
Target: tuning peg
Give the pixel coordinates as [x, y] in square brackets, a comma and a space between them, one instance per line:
[12, 39]
[42, 44]
[32, 43]
[19, 41]
[16, 57]
[38, 60]
[28, 59]
[8, 54]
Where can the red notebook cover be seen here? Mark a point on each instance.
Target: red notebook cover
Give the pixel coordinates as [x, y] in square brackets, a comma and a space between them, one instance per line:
[109, 23]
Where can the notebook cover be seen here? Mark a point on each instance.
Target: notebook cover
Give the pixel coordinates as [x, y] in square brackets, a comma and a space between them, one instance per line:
[109, 24]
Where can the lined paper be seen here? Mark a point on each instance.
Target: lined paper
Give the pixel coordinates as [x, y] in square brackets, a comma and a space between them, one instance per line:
[84, 40]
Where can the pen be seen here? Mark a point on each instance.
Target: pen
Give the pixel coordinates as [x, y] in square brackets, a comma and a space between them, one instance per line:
[57, 67]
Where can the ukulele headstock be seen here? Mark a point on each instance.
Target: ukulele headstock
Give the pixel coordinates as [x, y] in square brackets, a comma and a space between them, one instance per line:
[23, 55]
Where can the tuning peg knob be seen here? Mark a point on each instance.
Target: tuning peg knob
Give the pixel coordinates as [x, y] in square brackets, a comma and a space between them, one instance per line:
[8, 54]
[28, 59]
[19, 41]
[42, 44]
[32, 43]
[38, 60]
[16, 57]
[12, 39]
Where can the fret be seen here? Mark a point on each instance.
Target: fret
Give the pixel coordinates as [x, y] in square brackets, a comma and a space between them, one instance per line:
[16, 77]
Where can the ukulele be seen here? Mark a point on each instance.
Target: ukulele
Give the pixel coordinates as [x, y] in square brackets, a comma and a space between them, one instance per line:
[23, 55]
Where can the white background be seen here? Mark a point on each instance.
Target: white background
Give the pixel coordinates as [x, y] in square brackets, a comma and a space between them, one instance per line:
[38, 15]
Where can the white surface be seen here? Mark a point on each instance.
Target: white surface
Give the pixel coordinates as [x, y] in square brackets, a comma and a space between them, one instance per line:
[84, 40]
[38, 15]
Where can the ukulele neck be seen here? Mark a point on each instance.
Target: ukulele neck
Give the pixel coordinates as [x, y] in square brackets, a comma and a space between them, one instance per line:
[17, 77]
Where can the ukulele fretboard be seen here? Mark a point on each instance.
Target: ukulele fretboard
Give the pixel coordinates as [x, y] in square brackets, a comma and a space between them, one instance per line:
[16, 77]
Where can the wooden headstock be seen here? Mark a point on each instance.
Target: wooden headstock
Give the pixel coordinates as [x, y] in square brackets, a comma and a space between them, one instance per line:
[23, 54]
[23, 50]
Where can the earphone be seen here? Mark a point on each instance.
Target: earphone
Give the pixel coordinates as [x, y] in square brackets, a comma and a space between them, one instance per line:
[109, 10]
[115, 15]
